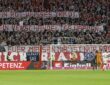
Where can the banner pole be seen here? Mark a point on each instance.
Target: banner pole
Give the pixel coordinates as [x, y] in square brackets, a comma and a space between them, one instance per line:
[51, 57]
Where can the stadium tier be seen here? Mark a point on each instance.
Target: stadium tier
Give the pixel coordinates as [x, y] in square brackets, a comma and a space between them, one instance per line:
[67, 21]
[50, 34]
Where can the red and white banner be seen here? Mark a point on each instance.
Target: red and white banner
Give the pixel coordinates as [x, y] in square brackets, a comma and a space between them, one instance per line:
[60, 48]
[57, 65]
[14, 65]
[76, 52]
[12, 56]
[50, 27]
[70, 65]
[39, 14]
[60, 56]
[59, 52]
[80, 47]
[77, 66]
[23, 48]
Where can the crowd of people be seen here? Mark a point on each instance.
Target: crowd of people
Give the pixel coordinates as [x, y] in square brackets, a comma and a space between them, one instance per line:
[98, 6]
[52, 21]
[53, 37]
[91, 13]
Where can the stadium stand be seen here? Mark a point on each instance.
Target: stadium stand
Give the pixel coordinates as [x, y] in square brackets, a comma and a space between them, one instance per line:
[88, 13]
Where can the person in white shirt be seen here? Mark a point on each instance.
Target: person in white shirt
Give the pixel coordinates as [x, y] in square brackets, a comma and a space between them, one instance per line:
[106, 58]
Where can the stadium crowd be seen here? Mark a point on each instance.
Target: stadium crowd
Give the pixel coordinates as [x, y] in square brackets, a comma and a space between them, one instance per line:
[91, 13]
[50, 37]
